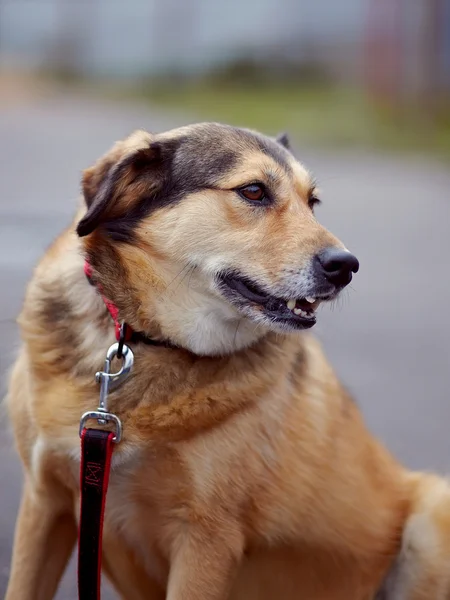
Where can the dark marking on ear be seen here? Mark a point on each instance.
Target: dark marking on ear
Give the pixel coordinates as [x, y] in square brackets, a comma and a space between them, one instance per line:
[114, 183]
[283, 139]
[93, 178]
[123, 229]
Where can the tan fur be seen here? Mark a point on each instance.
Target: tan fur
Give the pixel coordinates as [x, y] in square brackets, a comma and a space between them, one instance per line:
[246, 473]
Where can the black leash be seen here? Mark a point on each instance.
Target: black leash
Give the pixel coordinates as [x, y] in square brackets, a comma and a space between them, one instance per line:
[96, 452]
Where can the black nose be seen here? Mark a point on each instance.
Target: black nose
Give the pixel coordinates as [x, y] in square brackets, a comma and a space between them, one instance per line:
[337, 265]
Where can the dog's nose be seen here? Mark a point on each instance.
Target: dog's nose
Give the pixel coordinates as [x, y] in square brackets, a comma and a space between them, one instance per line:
[337, 265]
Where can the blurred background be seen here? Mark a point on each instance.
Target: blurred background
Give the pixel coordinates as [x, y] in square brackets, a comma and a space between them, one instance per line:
[353, 71]
[362, 87]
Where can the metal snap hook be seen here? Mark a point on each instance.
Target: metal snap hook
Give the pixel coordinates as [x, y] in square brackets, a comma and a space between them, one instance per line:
[109, 381]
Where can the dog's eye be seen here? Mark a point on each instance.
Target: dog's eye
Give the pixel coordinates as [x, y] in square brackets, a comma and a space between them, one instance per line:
[254, 192]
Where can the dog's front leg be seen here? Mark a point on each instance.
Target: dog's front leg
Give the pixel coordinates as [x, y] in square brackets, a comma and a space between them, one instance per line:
[204, 565]
[422, 568]
[44, 538]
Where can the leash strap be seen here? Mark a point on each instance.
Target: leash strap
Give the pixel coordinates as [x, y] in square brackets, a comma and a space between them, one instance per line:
[96, 452]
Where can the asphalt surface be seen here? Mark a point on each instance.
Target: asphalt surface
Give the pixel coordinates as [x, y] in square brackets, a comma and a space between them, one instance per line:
[388, 337]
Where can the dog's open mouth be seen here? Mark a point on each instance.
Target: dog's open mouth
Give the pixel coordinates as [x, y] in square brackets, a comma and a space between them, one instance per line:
[298, 313]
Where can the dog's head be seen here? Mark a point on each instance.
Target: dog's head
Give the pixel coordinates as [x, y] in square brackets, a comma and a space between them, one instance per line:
[207, 236]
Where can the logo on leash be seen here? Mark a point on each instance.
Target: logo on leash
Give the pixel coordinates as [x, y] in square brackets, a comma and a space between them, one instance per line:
[93, 473]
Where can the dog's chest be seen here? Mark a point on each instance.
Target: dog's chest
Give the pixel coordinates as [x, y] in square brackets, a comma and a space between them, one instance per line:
[148, 493]
[134, 528]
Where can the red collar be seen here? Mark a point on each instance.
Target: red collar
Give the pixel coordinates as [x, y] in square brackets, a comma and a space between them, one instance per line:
[124, 333]
[112, 308]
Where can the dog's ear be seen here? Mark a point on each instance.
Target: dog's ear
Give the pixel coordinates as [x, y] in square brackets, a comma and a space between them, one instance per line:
[117, 180]
[283, 139]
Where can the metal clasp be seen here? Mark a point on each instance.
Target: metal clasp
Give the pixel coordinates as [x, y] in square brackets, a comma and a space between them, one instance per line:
[110, 381]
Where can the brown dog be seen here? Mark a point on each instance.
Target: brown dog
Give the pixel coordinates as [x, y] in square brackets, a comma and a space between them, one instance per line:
[245, 471]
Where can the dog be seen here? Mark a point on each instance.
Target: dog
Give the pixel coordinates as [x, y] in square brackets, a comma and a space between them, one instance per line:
[245, 470]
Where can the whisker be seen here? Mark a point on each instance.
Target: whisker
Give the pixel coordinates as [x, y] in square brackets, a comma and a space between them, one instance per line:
[235, 333]
[190, 277]
[176, 276]
[160, 295]
[189, 272]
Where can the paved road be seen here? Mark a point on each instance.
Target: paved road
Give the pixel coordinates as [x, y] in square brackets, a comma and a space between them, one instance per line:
[388, 338]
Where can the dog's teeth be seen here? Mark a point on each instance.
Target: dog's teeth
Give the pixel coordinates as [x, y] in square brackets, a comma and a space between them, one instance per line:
[310, 299]
[301, 313]
[291, 303]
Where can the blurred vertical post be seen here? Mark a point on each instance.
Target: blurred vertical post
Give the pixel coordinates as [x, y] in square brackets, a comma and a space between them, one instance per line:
[383, 51]
[432, 39]
[405, 43]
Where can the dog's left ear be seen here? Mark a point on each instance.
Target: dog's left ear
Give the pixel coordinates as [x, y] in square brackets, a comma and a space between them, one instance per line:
[283, 139]
[114, 185]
